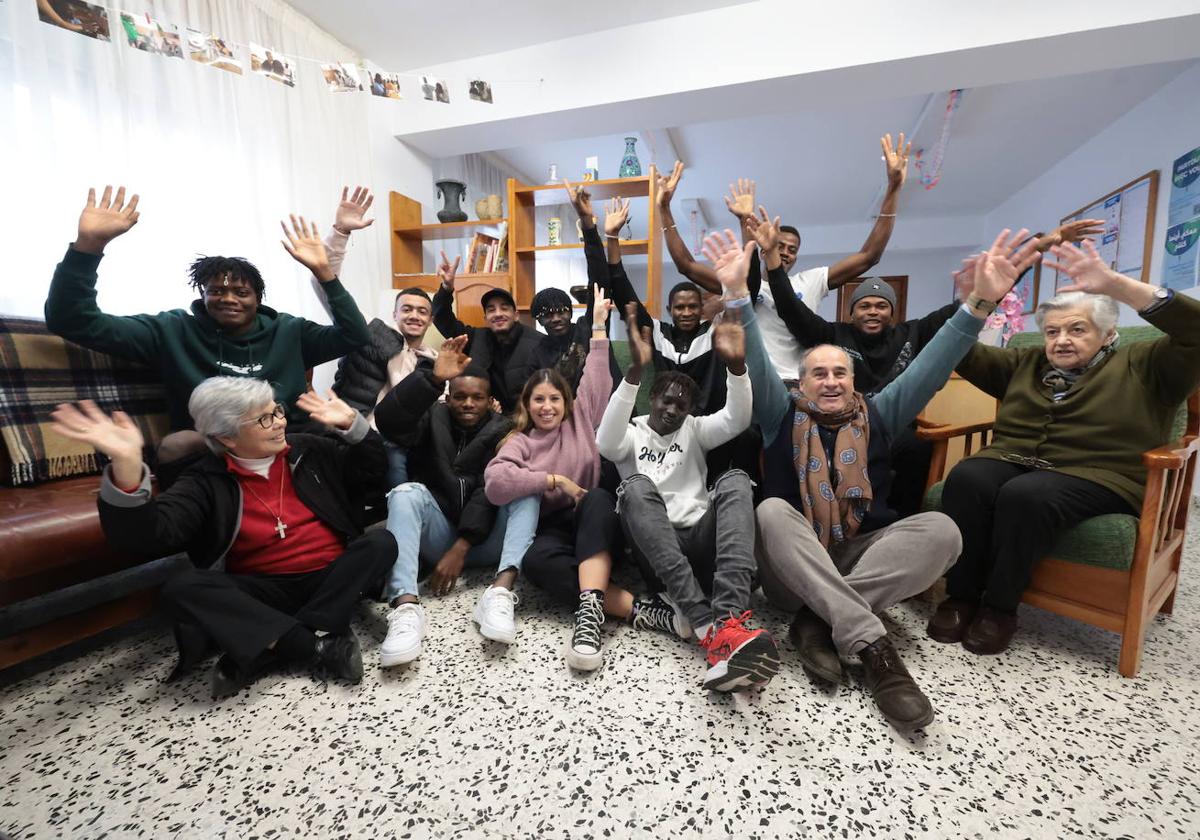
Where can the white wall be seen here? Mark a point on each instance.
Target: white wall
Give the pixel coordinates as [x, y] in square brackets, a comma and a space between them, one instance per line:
[1151, 136]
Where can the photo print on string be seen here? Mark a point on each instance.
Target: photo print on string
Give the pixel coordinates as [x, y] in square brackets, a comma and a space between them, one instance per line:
[435, 90]
[148, 35]
[385, 84]
[75, 16]
[341, 77]
[211, 51]
[271, 64]
[481, 91]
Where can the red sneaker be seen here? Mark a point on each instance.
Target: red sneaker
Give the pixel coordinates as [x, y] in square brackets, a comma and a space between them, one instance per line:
[739, 658]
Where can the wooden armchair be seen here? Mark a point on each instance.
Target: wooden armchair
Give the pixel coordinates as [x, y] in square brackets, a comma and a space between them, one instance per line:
[1114, 571]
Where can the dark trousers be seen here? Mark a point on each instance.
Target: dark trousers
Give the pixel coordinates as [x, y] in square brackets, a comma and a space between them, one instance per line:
[910, 457]
[565, 538]
[1010, 516]
[708, 567]
[244, 614]
[743, 453]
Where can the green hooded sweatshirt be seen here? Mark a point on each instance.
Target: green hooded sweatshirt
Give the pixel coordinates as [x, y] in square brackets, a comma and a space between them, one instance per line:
[188, 347]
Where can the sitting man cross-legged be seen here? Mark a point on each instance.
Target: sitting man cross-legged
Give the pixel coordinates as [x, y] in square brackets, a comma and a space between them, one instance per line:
[271, 520]
[698, 543]
[829, 546]
[441, 518]
[1073, 422]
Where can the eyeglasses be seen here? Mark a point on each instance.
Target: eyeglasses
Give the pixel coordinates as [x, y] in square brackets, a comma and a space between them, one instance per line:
[266, 421]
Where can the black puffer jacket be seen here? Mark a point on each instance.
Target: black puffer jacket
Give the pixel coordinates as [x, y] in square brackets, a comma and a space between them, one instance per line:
[362, 373]
[443, 456]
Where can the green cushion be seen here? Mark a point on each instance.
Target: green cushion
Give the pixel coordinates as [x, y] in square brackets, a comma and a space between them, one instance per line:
[1106, 541]
[1128, 335]
[621, 351]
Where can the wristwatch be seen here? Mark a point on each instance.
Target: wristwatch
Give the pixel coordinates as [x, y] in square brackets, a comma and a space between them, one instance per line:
[977, 303]
[1161, 296]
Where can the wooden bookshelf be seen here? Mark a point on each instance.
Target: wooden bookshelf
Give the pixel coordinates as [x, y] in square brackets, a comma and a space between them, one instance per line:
[447, 230]
[628, 246]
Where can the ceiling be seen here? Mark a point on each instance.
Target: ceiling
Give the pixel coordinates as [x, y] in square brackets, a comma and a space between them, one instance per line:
[824, 167]
[396, 34]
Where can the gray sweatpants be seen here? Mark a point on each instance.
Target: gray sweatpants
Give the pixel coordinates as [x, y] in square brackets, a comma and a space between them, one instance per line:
[864, 575]
[715, 555]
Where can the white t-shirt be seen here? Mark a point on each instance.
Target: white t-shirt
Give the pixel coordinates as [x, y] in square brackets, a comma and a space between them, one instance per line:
[782, 348]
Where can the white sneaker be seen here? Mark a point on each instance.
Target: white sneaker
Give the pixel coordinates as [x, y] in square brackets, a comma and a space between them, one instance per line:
[406, 629]
[494, 615]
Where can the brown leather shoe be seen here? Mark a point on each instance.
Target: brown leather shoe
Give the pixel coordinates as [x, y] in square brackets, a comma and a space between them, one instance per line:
[951, 620]
[991, 631]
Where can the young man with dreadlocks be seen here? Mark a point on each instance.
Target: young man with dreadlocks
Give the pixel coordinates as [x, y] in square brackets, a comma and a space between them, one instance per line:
[228, 331]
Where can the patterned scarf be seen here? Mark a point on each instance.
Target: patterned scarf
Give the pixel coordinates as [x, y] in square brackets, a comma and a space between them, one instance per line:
[1061, 380]
[835, 508]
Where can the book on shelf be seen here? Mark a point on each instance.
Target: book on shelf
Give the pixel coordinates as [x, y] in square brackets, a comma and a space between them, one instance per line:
[482, 254]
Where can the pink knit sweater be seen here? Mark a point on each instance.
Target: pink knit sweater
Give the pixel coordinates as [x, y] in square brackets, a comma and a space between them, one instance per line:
[522, 464]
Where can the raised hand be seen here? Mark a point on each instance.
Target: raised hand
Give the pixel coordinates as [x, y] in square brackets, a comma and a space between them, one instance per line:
[451, 361]
[964, 277]
[581, 200]
[307, 248]
[352, 209]
[729, 340]
[764, 230]
[640, 352]
[446, 271]
[101, 223]
[1087, 270]
[667, 185]
[997, 270]
[118, 437]
[329, 409]
[730, 261]
[1078, 230]
[601, 306]
[740, 200]
[895, 159]
[616, 213]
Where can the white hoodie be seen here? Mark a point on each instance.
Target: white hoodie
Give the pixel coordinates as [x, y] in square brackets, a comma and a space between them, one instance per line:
[676, 462]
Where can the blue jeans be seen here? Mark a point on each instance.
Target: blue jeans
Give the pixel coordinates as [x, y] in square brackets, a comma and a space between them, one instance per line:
[397, 459]
[423, 534]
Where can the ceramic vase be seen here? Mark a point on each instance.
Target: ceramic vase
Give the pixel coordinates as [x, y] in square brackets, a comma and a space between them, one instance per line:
[631, 167]
[451, 192]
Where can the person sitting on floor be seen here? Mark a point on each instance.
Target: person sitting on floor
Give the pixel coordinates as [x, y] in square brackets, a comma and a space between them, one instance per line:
[696, 543]
[1074, 419]
[578, 534]
[270, 520]
[228, 331]
[506, 348]
[829, 546]
[442, 519]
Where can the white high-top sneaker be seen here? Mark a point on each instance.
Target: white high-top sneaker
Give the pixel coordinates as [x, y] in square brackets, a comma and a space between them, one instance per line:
[406, 629]
[494, 615]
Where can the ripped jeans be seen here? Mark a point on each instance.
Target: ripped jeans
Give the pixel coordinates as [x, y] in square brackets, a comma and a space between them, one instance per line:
[423, 534]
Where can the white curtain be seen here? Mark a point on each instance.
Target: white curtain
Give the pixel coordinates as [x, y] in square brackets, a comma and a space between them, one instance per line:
[218, 159]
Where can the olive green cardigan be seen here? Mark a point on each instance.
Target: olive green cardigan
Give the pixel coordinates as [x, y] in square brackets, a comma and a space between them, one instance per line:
[1113, 413]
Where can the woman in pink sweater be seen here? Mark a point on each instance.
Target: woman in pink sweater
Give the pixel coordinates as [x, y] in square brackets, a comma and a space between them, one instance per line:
[552, 454]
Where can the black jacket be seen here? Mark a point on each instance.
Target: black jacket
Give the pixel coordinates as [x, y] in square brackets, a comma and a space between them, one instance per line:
[201, 512]
[362, 373]
[446, 458]
[508, 365]
[878, 359]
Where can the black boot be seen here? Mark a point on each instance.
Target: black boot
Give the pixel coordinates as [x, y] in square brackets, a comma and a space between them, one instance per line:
[814, 644]
[893, 690]
[340, 657]
[228, 678]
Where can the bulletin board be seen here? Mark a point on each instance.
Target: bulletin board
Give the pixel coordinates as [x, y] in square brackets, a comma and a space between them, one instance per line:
[1128, 238]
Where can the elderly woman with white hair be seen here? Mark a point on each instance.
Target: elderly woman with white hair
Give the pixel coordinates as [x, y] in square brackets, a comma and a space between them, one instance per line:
[1073, 422]
[270, 520]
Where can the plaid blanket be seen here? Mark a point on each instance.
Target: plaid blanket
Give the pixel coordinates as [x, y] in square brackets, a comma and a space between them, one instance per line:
[38, 371]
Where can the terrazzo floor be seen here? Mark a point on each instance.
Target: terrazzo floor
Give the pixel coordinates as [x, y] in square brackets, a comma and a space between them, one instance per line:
[476, 740]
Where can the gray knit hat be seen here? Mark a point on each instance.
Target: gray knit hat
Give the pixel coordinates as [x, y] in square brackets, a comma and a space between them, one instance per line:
[873, 287]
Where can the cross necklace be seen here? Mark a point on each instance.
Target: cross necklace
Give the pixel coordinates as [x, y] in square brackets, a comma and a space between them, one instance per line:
[280, 526]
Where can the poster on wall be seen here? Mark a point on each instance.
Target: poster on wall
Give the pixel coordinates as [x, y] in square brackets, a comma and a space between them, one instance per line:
[75, 16]
[1181, 260]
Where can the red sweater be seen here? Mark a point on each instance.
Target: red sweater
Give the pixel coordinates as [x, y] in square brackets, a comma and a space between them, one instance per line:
[309, 545]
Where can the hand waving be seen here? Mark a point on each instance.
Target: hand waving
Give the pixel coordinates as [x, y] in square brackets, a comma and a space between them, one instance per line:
[729, 340]
[1078, 230]
[117, 436]
[667, 185]
[998, 269]
[730, 260]
[1087, 270]
[616, 213]
[307, 248]
[895, 159]
[581, 200]
[329, 409]
[764, 230]
[351, 210]
[101, 223]
[451, 361]
[740, 200]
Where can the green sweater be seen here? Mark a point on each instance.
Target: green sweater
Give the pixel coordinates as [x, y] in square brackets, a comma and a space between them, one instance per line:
[188, 347]
[1114, 412]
